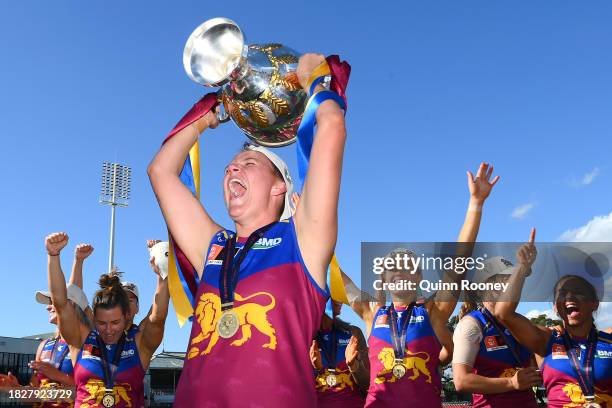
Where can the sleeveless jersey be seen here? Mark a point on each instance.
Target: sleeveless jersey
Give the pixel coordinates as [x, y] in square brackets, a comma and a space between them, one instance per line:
[560, 379]
[421, 385]
[345, 394]
[495, 359]
[266, 362]
[128, 388]
[55, 351]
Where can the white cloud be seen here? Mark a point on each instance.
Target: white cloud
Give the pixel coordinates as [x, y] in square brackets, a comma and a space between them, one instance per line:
[599, 229]
[590, 176]
[522, 210]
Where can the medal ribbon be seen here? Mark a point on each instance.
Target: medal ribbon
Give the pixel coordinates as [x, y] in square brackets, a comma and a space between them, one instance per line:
[584, 371]
[501, 330]
[230, 269]
[330, 354]
[109, 371]
[399, 339]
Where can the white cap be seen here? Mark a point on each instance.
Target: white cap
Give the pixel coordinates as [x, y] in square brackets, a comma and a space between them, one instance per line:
[284, 171]
[130, 287]
[74, 293]
[494, 266]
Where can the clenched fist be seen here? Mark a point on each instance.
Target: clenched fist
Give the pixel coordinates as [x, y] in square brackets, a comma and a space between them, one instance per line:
[307, 64]
[82, 251]
[56, 242]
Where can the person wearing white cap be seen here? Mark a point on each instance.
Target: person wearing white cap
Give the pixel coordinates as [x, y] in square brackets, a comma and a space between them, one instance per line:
[109, 361]
[488, 361]
[132, 291]
[51, 367]
[280, 269]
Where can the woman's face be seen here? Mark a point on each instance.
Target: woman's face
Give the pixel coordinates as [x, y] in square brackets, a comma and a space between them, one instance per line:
[402, 278]
[574, 302]
[110, 323]
[249, 184]
[52, 313]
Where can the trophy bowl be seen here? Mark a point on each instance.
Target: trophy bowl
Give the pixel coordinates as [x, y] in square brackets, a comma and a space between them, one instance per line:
[259, 88]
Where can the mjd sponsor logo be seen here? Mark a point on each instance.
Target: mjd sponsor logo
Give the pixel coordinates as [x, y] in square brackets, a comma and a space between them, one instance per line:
[266, 243]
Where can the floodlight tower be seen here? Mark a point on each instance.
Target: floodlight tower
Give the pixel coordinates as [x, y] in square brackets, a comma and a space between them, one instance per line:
[115, 192]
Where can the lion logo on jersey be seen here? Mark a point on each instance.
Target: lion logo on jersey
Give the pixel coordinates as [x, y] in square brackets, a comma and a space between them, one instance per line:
[412, 361]
[96, 390]
[574, 393]
[250, 315]
[343, 380]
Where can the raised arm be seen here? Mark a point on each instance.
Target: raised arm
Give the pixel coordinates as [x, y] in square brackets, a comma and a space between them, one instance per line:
[361, 302]
[81, 252]
[151, 329]
[530, 335]
[442, 305]
[67, 320]
[189, 223]
[316, 218]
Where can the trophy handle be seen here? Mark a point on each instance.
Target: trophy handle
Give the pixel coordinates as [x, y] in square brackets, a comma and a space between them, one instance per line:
[222, 115]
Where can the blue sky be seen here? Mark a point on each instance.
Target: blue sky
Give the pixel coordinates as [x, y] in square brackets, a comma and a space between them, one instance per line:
[436, 88]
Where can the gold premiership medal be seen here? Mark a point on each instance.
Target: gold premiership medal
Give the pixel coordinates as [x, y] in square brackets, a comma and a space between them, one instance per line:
[228, 324]
[108, 400]
[591, 403]
[399, 370]
[331, 380]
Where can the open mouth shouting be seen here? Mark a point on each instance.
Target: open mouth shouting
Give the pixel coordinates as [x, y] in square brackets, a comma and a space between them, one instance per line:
[572, 311]
[237, 188]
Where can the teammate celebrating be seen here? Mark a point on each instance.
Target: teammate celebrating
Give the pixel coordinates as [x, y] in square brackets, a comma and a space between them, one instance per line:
[339, 357]
[405, 337]
[576, 366]
[488, 361]
[109, 364]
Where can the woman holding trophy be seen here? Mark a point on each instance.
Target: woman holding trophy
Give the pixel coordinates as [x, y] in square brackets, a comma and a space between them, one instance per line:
[261, 288]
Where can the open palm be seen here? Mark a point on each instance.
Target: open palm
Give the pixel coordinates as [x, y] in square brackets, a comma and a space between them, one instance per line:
[481, 185]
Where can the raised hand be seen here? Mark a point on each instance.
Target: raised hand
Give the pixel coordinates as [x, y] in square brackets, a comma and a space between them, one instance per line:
[150, 244]
[481, 185]
[82, 251]
[351, 353]
[56, 242]
[527, 253]
[315, 356]
[212, 118]
[307, 64]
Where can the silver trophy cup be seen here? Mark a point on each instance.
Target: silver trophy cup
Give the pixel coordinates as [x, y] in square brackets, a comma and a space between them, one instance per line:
[259, 86]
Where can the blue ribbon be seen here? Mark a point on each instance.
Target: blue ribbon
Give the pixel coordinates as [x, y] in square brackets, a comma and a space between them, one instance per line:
[305, 133]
